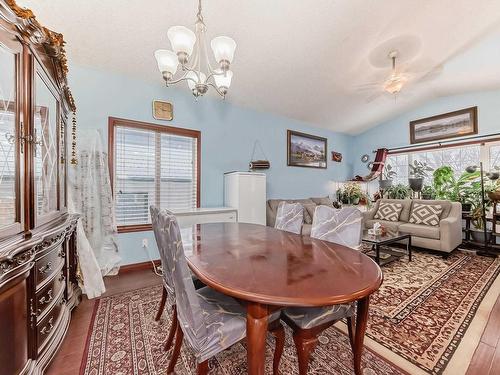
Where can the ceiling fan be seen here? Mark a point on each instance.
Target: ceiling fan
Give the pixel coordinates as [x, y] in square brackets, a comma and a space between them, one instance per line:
[398, 79]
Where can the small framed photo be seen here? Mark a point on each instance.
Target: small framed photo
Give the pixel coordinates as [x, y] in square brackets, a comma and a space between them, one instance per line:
[448, 125]
[306, 150]
[163, 110]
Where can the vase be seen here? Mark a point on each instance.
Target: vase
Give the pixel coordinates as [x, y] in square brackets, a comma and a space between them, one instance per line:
[416, 184]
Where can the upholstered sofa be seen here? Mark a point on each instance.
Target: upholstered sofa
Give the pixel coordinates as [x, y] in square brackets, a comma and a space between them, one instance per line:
[309, 207]
[445, 236]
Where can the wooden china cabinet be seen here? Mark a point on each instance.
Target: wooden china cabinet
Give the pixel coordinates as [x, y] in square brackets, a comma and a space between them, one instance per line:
[38, 285]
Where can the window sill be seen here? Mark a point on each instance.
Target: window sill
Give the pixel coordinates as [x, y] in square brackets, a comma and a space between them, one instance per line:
[134, 228]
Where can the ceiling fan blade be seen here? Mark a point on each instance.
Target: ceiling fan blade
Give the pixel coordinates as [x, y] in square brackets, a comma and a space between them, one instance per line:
[374, 96]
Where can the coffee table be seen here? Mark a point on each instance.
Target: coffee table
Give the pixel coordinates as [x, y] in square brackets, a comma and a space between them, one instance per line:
[387, 255]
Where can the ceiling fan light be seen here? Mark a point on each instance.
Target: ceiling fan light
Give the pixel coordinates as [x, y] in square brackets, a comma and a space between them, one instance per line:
[394, 84]
[222, 80]
[182, 39]
[167, 61]
[223, 48]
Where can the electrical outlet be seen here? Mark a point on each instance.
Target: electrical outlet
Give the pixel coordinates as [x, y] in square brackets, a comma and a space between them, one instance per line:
[144, 242]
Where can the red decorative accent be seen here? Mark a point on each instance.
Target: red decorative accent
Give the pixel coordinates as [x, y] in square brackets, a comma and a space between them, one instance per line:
[378, 166]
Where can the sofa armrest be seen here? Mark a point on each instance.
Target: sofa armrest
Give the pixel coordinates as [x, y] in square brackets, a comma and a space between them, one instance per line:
[451, 229]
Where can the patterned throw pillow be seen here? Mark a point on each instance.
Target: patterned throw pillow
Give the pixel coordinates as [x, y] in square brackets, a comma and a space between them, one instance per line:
[426, 214]
[389, 211]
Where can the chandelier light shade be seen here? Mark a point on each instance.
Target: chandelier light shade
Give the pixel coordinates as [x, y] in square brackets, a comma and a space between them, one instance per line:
[223, 81]
[167, 61]
[223, 48]
[189, 49]
[182, 39]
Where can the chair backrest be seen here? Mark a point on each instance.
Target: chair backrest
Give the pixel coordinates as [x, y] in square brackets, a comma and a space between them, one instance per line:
[342, 226]
[167, 275]
[290, 217]
[168, 237]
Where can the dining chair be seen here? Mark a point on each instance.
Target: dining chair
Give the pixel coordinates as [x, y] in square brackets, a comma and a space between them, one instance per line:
[290, 217]
[209, 321]
[343, 227]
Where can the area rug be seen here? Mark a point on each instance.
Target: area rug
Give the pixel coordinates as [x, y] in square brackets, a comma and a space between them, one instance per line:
[425, 306]
[125, 339]
[417, 320]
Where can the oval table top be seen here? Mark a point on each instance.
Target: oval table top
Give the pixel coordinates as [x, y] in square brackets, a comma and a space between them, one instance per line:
[270, 266]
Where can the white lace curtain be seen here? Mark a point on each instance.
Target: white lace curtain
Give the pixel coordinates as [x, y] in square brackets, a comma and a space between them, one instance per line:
[91, 197]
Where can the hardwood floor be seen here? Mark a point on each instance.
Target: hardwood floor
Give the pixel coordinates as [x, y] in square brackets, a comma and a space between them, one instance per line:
[486, 359]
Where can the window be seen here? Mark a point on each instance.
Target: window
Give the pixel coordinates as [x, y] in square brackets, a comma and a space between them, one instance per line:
[457, 157]
[152, 164]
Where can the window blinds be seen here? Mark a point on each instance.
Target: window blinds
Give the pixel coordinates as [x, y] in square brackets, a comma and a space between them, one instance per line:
[152, 167]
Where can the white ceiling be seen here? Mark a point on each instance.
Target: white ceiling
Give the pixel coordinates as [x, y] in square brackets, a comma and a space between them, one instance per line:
[306, 60]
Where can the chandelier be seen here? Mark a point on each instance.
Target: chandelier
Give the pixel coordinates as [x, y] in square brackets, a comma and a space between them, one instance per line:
[190, 51]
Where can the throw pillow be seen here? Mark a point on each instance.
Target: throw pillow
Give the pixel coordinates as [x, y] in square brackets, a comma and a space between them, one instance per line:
[426, 214]
[388, 211]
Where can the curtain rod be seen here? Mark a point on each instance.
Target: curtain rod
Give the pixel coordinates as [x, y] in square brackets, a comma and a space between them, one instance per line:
[486, 137]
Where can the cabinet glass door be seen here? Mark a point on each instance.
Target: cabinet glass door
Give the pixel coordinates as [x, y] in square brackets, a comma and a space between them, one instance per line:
[46, 149]
[9, 173]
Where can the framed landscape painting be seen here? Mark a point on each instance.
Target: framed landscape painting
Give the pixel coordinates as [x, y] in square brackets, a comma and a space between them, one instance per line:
[448, 125]
[305, 150]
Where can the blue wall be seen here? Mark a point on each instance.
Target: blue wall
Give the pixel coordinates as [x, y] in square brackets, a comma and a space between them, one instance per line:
[396, 132]
[228, 134]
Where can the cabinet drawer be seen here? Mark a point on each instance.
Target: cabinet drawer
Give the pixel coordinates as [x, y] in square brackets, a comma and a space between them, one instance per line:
[45, 297]
[48, 265]
[48, 324]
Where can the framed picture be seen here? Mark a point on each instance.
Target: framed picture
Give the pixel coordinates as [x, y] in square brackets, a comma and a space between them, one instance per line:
[162, 110]
[448, 125]
[305, 150]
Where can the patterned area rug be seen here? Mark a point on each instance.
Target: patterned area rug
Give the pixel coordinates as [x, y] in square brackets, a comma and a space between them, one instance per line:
[425, 306]
[421, 313]
[125, 339]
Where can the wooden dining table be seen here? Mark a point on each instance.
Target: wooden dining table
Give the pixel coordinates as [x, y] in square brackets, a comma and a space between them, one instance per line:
[269, 269]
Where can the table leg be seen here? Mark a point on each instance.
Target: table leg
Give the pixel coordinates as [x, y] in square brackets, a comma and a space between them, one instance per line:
[377, 252]
[257, 316]
[361, 321]
[408, 247]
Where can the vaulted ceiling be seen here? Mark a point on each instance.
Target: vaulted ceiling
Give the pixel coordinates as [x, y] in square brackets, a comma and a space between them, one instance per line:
[320, 61]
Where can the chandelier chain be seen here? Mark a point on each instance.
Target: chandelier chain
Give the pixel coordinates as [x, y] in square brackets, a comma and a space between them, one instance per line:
[199, 15]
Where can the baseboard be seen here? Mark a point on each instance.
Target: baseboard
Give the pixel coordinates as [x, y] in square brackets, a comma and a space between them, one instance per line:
[138, 266]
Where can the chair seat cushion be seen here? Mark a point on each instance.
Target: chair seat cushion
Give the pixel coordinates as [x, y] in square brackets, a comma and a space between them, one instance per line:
[309, 317]
[418, 230]
[225, 320]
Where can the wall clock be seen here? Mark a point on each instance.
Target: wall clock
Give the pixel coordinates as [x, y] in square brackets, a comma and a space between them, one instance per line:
[163, 110]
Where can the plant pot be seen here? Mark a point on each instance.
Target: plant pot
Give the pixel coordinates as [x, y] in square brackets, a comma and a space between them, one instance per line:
[466, 207]
[355, 201]
[478, 235]
[385, 184]
[416, 184]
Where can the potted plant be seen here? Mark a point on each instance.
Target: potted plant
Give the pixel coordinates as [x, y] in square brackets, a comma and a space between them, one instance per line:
[428, 192]
[352, 193]
[398, 191]
[387, 175]
[418, 171]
